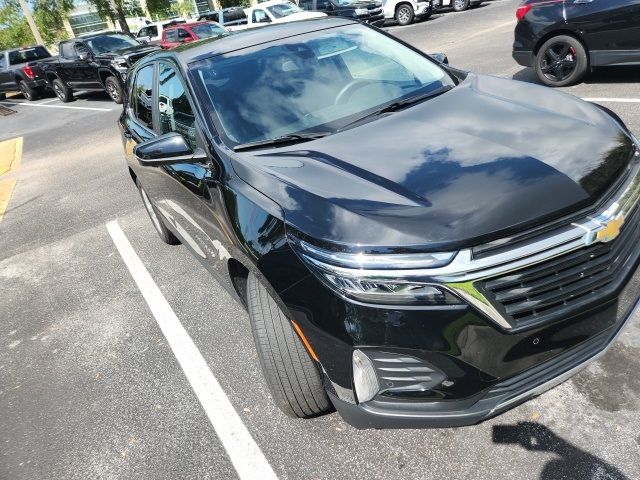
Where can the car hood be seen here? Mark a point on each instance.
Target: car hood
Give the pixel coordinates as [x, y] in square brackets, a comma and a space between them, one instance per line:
[487, 159]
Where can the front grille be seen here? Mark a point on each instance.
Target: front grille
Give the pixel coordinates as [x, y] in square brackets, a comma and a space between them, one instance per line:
[568, 284]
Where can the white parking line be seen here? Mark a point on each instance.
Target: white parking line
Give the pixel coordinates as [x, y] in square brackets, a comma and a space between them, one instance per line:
[243, 451]
[56, 106]
[613, 100]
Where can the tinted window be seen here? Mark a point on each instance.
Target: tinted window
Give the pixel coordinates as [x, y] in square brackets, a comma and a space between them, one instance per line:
[260, 16]
[152, 31]
[319, 81]
[67, 50]
[182, 34]
[27, 55]
[306, 4]
[142, 32]
[142, 96]
[171, 35]
[207, 30]
[176, 114]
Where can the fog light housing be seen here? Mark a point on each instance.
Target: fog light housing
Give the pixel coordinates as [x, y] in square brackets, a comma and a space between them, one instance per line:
[365, 379]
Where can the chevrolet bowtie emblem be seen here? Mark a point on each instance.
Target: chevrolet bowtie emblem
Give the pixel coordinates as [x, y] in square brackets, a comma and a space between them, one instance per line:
[610, 231]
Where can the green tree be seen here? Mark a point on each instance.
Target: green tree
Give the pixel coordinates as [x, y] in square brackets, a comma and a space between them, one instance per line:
[49, 16]
[14, 29]
[114, 11]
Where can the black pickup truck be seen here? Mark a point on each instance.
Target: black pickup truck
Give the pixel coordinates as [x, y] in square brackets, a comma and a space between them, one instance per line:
[20, 70]
[94, 62]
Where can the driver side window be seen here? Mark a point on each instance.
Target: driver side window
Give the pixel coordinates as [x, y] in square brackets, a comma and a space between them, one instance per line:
[174, 110]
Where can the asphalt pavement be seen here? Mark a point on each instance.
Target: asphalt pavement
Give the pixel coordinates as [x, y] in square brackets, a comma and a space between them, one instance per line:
[94, 385]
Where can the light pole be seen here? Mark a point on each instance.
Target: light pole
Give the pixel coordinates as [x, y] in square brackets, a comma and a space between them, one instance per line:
[32, 24]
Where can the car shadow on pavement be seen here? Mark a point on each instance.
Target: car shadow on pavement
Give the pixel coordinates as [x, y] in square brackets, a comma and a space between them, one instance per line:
[601, 75]
[572, 462]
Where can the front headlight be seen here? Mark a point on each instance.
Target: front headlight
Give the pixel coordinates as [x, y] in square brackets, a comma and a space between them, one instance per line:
[119, 63]
[361, 11]
[381, 279]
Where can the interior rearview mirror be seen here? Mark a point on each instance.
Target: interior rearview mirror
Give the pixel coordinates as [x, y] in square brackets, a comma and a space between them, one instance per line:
[440, 58]
[167, 149]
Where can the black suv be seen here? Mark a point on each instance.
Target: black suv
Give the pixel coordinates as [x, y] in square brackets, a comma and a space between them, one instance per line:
[563, 39]
[94, 62]
[362, 10]
[478, 247]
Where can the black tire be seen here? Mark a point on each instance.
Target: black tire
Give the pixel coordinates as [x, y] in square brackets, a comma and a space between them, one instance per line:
[461, 5]
[561, 61]
[114, 89]
[156, 219]
[293, 378]
[404, 14]
[29, 93]
[64, 93]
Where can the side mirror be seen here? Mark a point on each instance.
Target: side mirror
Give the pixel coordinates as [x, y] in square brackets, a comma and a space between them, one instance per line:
[440, 58]
[83, 56]
[167, 149]
[188, 39]
[265, 20]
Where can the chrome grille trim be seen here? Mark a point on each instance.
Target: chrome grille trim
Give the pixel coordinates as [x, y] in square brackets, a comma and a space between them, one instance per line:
[463, 271]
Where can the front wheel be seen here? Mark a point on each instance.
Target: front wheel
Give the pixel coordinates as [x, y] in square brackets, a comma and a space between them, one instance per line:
[561, 61]
[461, 5]
[114, 89]
[293, 378]
[64, 93]
[165, 234]
[404, 15]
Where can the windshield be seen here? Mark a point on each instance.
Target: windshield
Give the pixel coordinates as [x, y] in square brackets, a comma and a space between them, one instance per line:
[27, 55]
[284, 9]
[207, 30]
[111, 43]
[320, 81]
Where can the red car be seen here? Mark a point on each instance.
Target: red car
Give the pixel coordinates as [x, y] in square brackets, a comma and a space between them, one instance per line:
[190, 32]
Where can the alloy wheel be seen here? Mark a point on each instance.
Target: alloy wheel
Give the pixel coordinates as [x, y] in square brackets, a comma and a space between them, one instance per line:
[24, 91]
[113, 92]
[459, 4]
[150, 210]
[58, 91]
[404, 15]
[558, 61]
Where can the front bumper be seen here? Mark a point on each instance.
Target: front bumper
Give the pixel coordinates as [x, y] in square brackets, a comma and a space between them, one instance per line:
[390, 413]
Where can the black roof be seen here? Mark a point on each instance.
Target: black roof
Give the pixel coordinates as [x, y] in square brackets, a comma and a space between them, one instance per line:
[192, 52]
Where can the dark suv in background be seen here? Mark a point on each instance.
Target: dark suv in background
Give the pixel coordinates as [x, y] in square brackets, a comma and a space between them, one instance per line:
[563, 39]
[366, 11]
[94, 62]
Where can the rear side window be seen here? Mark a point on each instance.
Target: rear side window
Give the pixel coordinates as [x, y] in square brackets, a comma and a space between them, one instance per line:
[142, 96]
[67, 50]
[27, 55]
[152, 31]
[176, 114]
[171, 35]
[260, 16]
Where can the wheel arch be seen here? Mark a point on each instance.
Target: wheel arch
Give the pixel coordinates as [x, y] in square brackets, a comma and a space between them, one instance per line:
[399, 4]
[556, 33]
[105, 73]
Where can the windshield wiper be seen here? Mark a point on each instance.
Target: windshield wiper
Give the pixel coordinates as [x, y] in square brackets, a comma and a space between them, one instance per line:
[285, 139]
[394, 106]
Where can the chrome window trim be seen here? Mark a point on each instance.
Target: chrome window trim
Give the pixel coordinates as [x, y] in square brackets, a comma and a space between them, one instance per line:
[463, 270]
